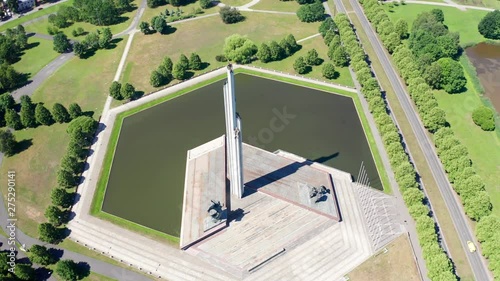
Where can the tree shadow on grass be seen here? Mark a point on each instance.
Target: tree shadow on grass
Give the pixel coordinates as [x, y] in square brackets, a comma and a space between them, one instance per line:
[189, 75]
[42, 274]
[56, 254]
[83, 270]
[88, 54]
[137, 95]
[169, 30]
[23, 145]
[113, 43]
[204, 65]
[89, 113]
[32, 45]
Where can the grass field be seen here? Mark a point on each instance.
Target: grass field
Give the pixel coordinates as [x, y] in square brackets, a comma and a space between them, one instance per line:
[390, 266]
[464, 22]
[39, 54]
[41, 26]
[149, 13]
[97, 277]
[282, 6]
[495, 4]
[147, 51]
[426, 177]
[484, 147]
[236, 3]
[317, 43]
[76, 81]
[37, 14]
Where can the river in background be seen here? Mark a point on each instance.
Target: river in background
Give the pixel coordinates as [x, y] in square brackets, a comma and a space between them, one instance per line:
[146, 183]
[486, 60]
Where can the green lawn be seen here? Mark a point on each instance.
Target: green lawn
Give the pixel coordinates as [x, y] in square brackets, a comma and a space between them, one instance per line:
[39, 54]
[464, 22]
[484, 147]
[495, 4]
[317, 43]
[41, 26]
[37, 14]
[272, 5]
[149, 13]
[147, 51]
[97, 277]
[236, 3]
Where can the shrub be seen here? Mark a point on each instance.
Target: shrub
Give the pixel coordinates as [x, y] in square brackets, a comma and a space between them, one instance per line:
[230, 15]
[156, 79]
[220, 58]
[239, 49]
[205, 4]
[311, 12]
[114, 90]
[488, 26]
[264, 53]
[300, 66]
[484, 118]
[328, 71]
[312, 58]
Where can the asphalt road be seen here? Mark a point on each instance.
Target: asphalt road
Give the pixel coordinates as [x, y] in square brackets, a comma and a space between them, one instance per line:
[464, 231]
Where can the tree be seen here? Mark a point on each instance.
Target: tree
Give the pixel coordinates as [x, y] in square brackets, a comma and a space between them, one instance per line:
[179, 71]
[277, 53]
[487, 227]
[74, 110]
[435, 119]
[327, 25]
[156, 79]
[66, 179]
[264, 53]
[6, 102]
[432, 75]
[101, 13]
[60, 113]
[302, 2]
[413, 196]
[61, 197]
[71, 164]
[13, 120]
[239, 48]
[300, 66]
[482, 116]
[114, 90]
[7, 143]
[328, 71]
[167, 64]
[290, 39]
[195, 61]
[489, 25]
[478, 206]
[155, 3]
[230, 15]
[339, 57]
[9, 77]
[83, 124]
[205, 4]
[452, 75]
[28, 116]
[49, 233]
[42, 115]
[401, 28]
[24, 272]
[79, 49]
[55, 215]
[328, 37]
[105, 38]
[61, 43]
[392, 41]
[40, 255]
[311, 12]
[127, 91]
[159, 24]
[286, 47]
[438, 14]
[68, 270]
[184, 61]
[312, 58]
[144, 26]
[13, 6]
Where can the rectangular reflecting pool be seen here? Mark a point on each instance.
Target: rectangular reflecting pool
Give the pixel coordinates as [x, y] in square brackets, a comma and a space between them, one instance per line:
[146, 182]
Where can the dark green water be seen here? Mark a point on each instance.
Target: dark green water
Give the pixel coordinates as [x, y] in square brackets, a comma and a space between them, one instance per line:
[146, 183]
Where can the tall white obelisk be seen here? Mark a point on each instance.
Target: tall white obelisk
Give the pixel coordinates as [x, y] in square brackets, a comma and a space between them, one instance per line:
[233, 136]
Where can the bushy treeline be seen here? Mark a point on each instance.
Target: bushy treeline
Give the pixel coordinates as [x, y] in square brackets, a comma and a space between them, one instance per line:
[12, 45]
[97, 12]
[274, 51]
[81, 131]
[413, 65]
[438, 264]
[311, 11]
[167, 71]
[101, 39]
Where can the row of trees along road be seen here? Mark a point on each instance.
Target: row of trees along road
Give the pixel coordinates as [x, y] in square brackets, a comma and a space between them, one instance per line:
[427, 63]
[12, 45]
[438, 265]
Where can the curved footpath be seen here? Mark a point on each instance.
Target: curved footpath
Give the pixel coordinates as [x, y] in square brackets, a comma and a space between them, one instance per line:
[453, 204]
